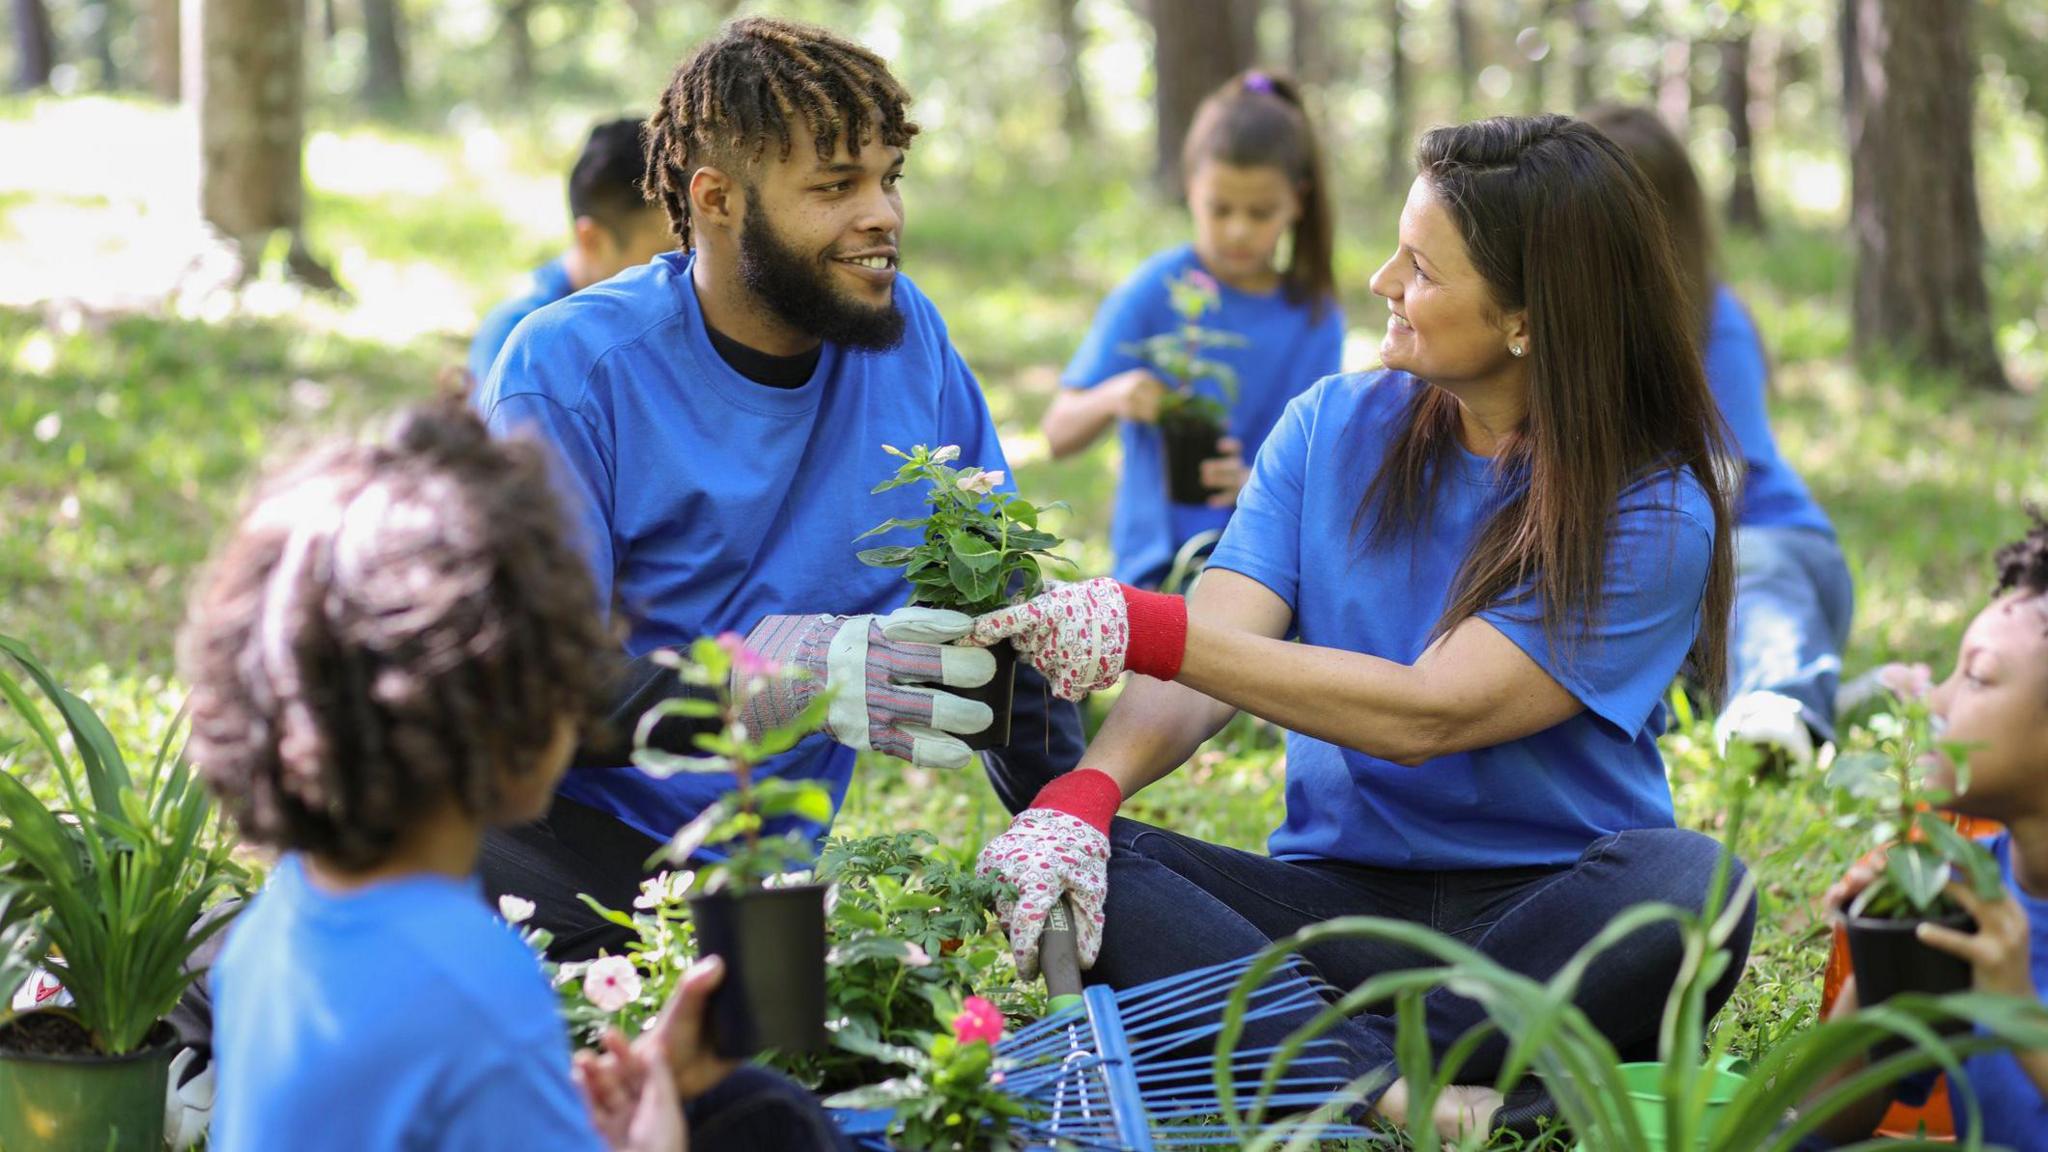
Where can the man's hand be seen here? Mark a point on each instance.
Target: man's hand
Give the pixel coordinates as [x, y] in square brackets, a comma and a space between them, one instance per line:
[1137, 395]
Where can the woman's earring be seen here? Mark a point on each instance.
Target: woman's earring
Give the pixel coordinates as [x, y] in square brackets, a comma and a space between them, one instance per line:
[1514, 350]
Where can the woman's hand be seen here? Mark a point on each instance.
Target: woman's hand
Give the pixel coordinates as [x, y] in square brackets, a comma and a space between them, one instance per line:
[1998, 951]
[1227, 473]
[1058, 847]
[1081, 637]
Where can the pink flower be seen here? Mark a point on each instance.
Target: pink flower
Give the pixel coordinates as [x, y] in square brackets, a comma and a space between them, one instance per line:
[749, 663]
[980, 483]
[611, 983]
[978, 1020]
[1203, 280]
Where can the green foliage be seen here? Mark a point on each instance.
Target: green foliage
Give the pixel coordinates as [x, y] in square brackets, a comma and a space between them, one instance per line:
[950, 1100]
[981, 547]
[110, 881]
[1888, 795]
[1178, 355]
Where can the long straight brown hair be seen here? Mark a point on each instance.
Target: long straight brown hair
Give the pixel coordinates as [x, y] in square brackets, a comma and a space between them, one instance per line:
[1561, 224]
[1257, 119]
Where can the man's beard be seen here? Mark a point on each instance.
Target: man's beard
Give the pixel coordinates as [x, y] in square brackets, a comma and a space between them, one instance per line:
[799, 290]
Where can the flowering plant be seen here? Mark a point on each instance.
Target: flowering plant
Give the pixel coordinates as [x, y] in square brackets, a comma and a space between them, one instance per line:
[736, 826]
[981, 548]
[1178, 355]
[952, 1100]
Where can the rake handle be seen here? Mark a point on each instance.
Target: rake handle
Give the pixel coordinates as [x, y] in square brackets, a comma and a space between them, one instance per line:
[1059, 957]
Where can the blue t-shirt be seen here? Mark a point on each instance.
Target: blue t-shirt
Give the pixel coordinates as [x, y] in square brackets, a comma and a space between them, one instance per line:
[1288, 347]
[1773, 495]
[2015, 1114]
[708, 501]
[1539, 800]
[550, 282]
[401, 1016]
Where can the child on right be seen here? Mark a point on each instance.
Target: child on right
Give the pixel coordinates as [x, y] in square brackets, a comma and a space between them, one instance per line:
[1254, 180]
[1996, 703]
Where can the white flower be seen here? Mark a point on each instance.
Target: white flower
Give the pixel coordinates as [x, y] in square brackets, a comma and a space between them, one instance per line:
[663, 888]
[946, 453]
[981, 483]
[916, 957]
[514, 909]
[611, 983]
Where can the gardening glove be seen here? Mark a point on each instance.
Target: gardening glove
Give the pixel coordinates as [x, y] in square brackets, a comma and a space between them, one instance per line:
[872, 666]
[1057, 847]
[1081, 637]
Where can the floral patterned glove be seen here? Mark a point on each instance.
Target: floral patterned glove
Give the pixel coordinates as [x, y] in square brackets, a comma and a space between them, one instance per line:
[1081, 637]
[1057, 847]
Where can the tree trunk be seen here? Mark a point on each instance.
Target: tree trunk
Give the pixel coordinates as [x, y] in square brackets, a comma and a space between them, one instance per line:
[1532, 44]
[519, 40]
[35, 48]
[1744, 210]
[1396, 172]
[1464, 38]
[1075, 118]
[384, 36]
[251, 94]
[105, 15]
[330, 21]
[1308, 44]
[1907, 77]
[164, 56]
[1585, 53]
[1198, 44]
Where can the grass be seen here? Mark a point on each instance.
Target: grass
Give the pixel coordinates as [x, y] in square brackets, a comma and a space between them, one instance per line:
[130, 438]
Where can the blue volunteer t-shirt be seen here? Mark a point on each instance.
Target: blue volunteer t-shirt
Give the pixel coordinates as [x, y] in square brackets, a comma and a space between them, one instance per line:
[709, 501]
[2015, 1114]
[403, 1016]
[1773, 495]
[1288, 347]
[550, 282]
[1539, 800]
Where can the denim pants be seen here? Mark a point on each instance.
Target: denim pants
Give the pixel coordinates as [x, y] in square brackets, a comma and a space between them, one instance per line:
[1793, 600]
[1176, 903]
[756, 1110]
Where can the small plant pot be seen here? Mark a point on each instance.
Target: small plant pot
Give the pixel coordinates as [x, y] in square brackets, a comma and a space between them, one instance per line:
[1890, 960]
[57, 1095]
[773, 943]
[1189, 439]
[1645, 1084]
[999, 693]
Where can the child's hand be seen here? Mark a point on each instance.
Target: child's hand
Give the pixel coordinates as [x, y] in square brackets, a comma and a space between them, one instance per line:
[1137, 392]
[1997, 950]
[679, 1037]
[1861, 875]
[631, 1096]
[1226, 473]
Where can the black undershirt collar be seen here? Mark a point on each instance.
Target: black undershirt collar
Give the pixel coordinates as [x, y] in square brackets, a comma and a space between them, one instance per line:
[762, 368]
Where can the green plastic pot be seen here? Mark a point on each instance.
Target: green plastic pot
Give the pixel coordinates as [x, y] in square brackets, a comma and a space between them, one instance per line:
[1646, 1095]
[87, 1102]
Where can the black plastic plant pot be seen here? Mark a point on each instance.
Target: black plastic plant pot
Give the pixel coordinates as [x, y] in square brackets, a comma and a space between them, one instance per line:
[1889, 960]
[999, 693]
[1190, 439]
[773, 943]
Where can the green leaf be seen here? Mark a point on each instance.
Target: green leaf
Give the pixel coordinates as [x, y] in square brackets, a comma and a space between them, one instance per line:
[1980, 870]
[974, 551]
[1863, 775]
[893, 556]
[1920, 874]
[891, 525]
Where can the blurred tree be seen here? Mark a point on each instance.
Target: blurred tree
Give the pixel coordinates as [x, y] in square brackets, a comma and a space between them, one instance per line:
[384, 38]
[101, 19]
[1395, 172]
[163, 48]
[1465, 39]
[1308, 41]
[517, 21]
[1068, 40]
[1908, 77]
[1745, 211]
[1585, 52]
[1197, 44]
[1674, 83]
[35, 48]
[1532, 45]
[251, 94]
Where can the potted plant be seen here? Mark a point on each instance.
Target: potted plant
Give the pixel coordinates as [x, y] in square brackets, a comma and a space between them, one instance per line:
[1886, 793]
[771, 935]
[979, 549]
[105, 884]
[1190, 421]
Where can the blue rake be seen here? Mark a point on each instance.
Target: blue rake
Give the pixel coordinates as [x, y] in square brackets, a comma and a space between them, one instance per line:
[1134, 1070]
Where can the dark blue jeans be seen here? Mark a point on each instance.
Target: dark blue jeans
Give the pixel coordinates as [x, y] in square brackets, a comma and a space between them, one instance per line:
[1793, 600]
[757, 1110]
[1177, 903]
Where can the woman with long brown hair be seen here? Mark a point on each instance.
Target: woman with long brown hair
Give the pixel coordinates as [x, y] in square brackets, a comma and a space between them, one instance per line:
[1496, 554]
[1793, 593]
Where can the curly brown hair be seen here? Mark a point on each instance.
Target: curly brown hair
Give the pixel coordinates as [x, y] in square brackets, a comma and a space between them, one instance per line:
[748, 87]
[392, 622]
[2023, 564]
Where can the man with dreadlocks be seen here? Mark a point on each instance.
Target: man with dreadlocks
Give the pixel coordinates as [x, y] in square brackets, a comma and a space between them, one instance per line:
[720, 414]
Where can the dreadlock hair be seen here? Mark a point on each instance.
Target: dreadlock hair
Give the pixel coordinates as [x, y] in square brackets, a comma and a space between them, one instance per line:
[2023, 564]
[764, 81]
[391, 624]
[1257, 119]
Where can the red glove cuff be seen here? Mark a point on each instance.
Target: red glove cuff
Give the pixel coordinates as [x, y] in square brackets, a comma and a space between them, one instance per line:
[1086, 794]
[1158, 635]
